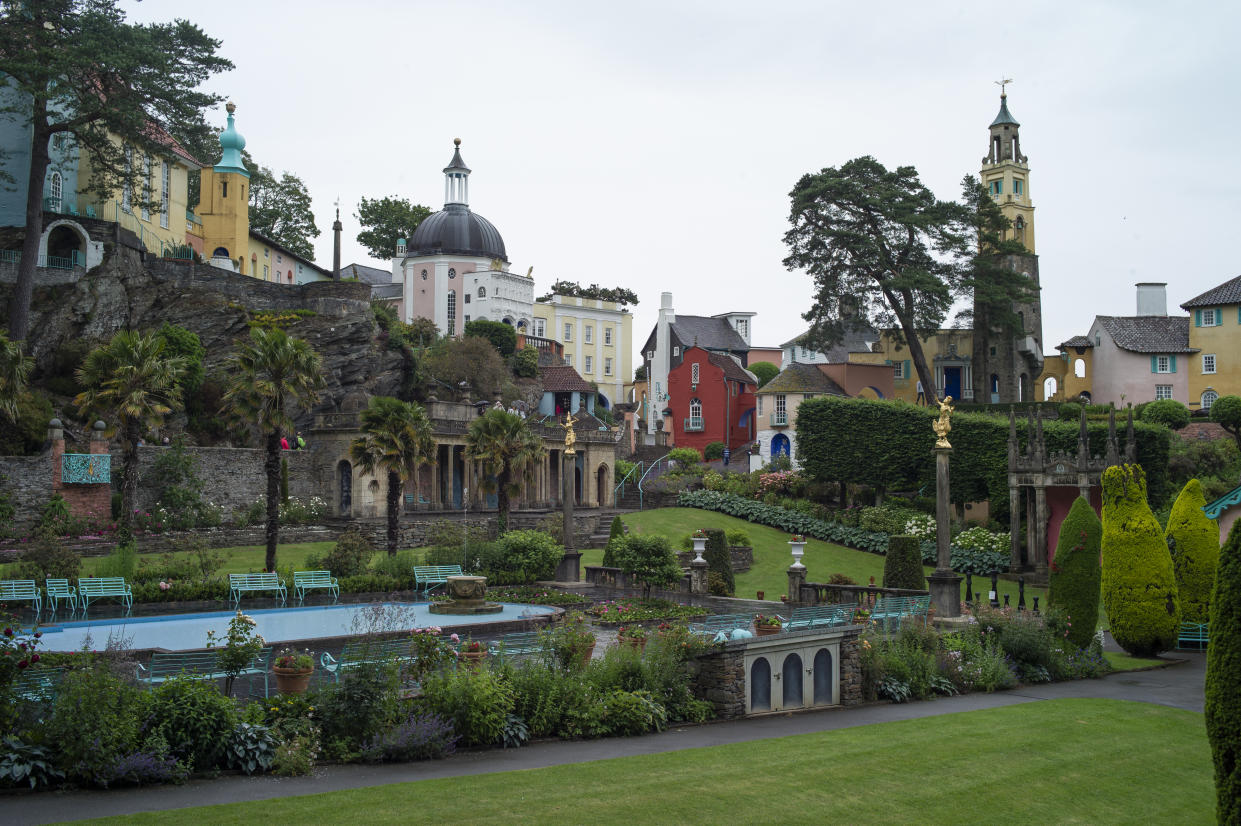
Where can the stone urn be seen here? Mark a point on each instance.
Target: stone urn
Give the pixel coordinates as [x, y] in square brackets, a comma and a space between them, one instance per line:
[700, 545]
[798, 548]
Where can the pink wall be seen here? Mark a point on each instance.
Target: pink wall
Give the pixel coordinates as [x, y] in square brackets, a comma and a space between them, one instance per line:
[1059, 501]
[1226, 520]
[854, 378]
[1120, 372]
[773, 354]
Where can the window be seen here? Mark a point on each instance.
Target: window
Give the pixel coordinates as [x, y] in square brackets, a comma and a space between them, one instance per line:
[695, 408]
[539, 327]
[693, 373]
[452, 273]
[452, 312]
[1210, 318]
[607, 366]
[146, 188]
[607, 335]
[165, 197]
[780, 405]
[568, 359]
[568, 331]
[676, 351]
[743, 327]
[590, 364]
[57, 189]
[1208, 363]
[266, 252]
[1079, 368]
[760, 405]
[1018, 186]
[127, 188]
[1163, 391]
[467, 298]
[482, 292]
[992, 351]
[265, 272]
[590, 334]
[1163, 364]
[997, 187]
[1209, 398]
[223, 189]
[467, 318]
[898, 370]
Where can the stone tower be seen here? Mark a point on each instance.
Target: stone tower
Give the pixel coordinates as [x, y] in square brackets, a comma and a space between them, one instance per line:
[1006, 364]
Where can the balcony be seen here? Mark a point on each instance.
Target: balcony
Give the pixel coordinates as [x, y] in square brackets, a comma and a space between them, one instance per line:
[693, 424]
[780, 419]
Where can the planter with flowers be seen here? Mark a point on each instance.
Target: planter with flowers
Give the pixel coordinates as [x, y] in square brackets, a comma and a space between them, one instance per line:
[766, 624]
[473, 652]
[634, 636]
[798, 546]
[700, 544]
[293, 670]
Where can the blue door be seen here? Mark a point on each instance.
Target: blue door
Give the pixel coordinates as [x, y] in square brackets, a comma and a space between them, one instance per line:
[952, 382]
[779, 445]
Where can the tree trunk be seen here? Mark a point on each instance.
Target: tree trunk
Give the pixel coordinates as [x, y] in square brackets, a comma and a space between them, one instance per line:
[394, 510]
[502, 483]
[129, 475]
[19, 305]
[271, 464]
[916, 353]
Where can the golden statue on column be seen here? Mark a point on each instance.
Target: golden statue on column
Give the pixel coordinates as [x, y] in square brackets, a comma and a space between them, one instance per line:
[943, 424]
[570, 438]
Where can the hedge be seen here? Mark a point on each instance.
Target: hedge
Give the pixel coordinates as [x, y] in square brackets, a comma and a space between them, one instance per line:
[1075, 573]
[888, 444]
[1223, 680]
[1139, 586]
[719, 559]
[902, 567]
[964, 561]
[1193, 541]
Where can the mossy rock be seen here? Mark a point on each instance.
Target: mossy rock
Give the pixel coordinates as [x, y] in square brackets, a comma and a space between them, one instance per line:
[1139, 585]
[1193, 541]
[1223, 680]
[1075, 572]
[902, 567]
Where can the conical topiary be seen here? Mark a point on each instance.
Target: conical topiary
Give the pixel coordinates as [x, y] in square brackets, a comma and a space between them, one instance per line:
[1075, 572]
[902, 567]
[609, 553]
[1193, 541]
[1223, 682]
[719, 560]
[1139, 586]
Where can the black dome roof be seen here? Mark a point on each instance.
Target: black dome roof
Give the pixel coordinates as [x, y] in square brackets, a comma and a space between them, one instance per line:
[457, 231]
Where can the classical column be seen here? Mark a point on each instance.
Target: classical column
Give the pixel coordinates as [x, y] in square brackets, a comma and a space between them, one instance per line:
[945, 586]
[1014, 526]
[1041, 516]
[570, 567]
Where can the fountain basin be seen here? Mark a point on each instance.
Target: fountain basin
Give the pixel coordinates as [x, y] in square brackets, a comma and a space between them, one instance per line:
[469, 596]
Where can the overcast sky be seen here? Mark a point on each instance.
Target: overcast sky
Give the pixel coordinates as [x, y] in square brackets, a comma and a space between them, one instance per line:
[653, 145]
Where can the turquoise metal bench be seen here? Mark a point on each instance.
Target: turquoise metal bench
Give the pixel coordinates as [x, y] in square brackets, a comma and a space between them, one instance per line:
[101, 587]
[427, 577]
[21, 590]
[203, 665]
[1193, 635]
[819, 616]
[889, 611]
[58, 589]
[371, 652]
[712, 625]
[239, 584]
[304, 581]
[38, 685]
[517, 644]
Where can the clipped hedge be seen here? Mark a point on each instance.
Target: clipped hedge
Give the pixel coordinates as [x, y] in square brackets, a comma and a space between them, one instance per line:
[1139, 585]
[1193, 541]
[964, 561]
[902, 567]
[719, 560]
[1075, 572]
[1223, 680]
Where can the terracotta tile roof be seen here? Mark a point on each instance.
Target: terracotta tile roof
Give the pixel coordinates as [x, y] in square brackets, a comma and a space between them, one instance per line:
[561, 378]
[1149, 333]
[732, 367]
[158, 134]
[1227, 293]
[803, 378]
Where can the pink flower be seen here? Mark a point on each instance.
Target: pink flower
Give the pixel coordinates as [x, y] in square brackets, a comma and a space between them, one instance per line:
[455, 638]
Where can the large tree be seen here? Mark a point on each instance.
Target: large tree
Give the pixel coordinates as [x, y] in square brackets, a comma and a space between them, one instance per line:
[76, 68]
[134, 382]
[271, 375]
[882, 250]
[995, 286]
[508, 450]
[469, 363]
[396, 438]
[384, 220]
[280, 209]
[1226, 412]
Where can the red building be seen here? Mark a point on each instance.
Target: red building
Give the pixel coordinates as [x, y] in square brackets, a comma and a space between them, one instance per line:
[710, 399]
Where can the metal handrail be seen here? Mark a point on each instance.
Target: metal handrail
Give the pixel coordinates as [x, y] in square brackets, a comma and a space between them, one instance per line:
[662, 460]
[619, 490]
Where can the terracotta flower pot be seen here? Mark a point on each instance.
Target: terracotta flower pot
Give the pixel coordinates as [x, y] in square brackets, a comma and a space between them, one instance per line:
[766, 630]
[636, 644]
[473, 658]
[292, 680]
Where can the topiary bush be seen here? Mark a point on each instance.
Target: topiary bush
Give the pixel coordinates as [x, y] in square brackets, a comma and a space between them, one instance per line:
[1167, 412]
[1193, 541]
[1075, 572]
[685, 456]
[719, 560]
[525, 556]
[617, 532]
[902, 567]
[1139, 585]
[1223, 680]
[648, 558]
[350, 556]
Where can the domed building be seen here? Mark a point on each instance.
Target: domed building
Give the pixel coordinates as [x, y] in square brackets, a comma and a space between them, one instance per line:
[455, 268]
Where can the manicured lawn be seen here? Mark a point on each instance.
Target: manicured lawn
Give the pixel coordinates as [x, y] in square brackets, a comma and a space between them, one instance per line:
[772, 559]
[1062, 761]
[242, 559]
[1126, 662]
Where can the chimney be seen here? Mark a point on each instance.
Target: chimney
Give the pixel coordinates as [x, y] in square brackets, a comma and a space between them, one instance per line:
[1153, 298]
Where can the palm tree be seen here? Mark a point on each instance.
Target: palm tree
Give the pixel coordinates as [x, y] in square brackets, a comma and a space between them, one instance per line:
[131, 381]
[396, 437]
[14, 371]
[508, 449]
[271, 375]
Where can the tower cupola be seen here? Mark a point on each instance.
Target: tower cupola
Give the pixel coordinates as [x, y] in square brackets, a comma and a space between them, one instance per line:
[1005, 144]
[231, 144]
[456, 179]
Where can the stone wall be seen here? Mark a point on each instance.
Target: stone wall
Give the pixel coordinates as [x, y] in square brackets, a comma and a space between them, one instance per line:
[27, 482]
[721, 681]
[158, 543]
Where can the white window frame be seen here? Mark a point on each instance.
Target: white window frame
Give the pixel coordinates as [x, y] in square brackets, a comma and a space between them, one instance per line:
[589, 364]
[147, 167]
[165, 194]
[759, 403]
[451, 302]
[1163, 364]
[589, 335]
[607, 336]
[781, 404]
[57, 188]
[568, 331]
[694, 373]
[1209, 397]
[568, 359]
[127, 189]
[1208, 363]
[1210, 317]
[695, 409]
[898, 370]
[539, 327]
[1163, 391]
[607, 365]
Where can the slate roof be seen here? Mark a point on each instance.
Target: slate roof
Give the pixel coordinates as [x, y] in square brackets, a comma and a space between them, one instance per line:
[802, 378]
[858, 338]
[561, 378]
[732, 368]
[1227, 293]
[703, 331]
[1149, 333]
[1076, 341]
[368, 275]
[386, 291]
[1004, 116]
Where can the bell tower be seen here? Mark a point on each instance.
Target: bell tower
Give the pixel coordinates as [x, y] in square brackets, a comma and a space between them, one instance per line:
[1006, 175]
[225, 201]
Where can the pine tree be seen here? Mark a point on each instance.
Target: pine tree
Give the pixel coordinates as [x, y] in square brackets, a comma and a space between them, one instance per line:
[1223, 681]
[1075, 572]
[1193, 541]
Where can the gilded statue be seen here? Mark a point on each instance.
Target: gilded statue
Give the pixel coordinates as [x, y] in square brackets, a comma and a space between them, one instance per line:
[943, 424]
[570, 438]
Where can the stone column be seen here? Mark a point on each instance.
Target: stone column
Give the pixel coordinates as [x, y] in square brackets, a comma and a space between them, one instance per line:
[1041, 515]
[1014, 526]
[797, 578]
[570, 567]
[945, 586]
[698, 576]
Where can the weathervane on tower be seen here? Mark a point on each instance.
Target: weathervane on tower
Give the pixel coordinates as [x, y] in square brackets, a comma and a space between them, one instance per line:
[1004, 81]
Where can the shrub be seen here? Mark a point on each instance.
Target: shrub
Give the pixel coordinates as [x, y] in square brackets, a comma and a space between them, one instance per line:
[630, 713]
[543, 697]
[152, 763]
[902, 567]
[884, 520]
[526, 363]
[350, 556]
[713, 451]
[47, 557]
[530, 555]
[1223, 680]
[94, 722]
[1167, 412]
[1075, 572]
[648, 558]
[423, 736]
[123, 561]
[717, 585]
[685, 456]
[1193, 541]
[193, 718]
[1069, 412]
[360, 706]
[502, 336]
[737, 538]
[476, 700]
[719, 560]
[21, 763]
[296, 753]
[1139, 586]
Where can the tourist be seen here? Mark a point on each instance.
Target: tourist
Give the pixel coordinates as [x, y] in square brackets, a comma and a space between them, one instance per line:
[301, 443]
[284, 442]
[921, 393]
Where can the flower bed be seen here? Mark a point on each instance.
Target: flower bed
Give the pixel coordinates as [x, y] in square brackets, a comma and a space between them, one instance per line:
[639, 610]
[535, 596]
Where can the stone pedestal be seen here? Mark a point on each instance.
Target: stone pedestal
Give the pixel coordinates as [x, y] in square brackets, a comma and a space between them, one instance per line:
[797, 577]
[570, 567]
[698, 576]
[945, 586]
[945, 590]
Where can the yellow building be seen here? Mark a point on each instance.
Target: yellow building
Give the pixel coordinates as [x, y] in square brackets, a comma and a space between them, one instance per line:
[1006, 175]
[1215, 331]
[597, 337]
[1067, 376]
[947, 353]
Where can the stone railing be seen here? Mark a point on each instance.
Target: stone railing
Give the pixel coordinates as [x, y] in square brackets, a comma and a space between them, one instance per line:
[822, 593]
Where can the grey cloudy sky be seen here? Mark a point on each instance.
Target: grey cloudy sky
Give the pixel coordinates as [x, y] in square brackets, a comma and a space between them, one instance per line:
[653, 144]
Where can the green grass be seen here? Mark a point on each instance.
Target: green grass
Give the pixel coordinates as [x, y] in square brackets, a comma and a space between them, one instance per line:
[1126, 662]
[772, 559]
[1038, 762]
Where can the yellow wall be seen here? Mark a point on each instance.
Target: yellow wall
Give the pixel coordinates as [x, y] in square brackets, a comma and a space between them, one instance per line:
[890, 351]
[154, 236]
[1222, 341]
[1062, 367]
[226, 218]
[598, 315]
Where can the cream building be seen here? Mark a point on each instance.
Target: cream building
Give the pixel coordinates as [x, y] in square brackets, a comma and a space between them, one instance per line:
[597, 337]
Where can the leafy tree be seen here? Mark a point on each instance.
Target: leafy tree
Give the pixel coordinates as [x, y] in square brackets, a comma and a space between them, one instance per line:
[1223, 681]
[571, 288]
[75, 68]
[15, 368]
[133, 382]
[271, 375]
[882, 250]
[502, 336]
[1226, 411]
[396, 437]
[472, 360]
[280, 208]
[648, 558]
[1193, 541]
[1075, 573]
[384, 220]
[764, 370]
[509, 451]
[902, 566]
[1139, 585]
[186, 344]
[526, 363]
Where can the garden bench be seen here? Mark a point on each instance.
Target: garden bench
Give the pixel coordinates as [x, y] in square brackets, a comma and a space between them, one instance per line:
[303, 581]
[240, 583]
[99, 587]
[1195, 634]
[21, 590]
[204, 665]
[356, 654]
[427, 577]
[38, 685]
[517, 644]
[889, 610]
[819, 616]
[58, 589]
[711, 625]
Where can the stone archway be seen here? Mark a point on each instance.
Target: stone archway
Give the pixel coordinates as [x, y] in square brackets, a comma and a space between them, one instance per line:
[65, 245]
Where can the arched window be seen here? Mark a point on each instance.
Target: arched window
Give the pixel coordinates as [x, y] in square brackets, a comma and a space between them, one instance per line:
[1209, 398]
[55, 191]
[452, 312]
[220, 252]
[1079, 368]
[1019, 230]
[1049, 388]
[695, 408]
[482, 292]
